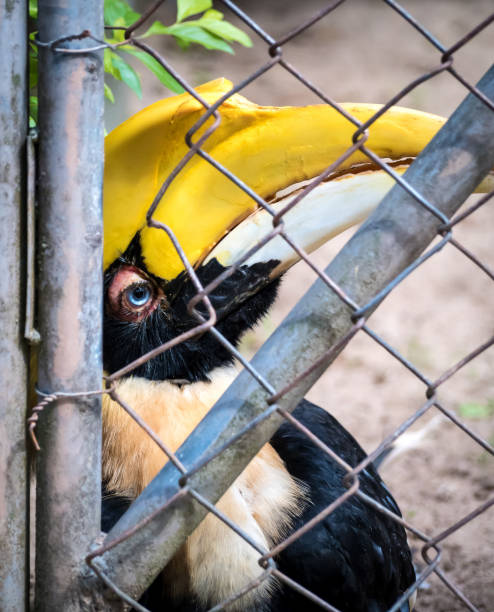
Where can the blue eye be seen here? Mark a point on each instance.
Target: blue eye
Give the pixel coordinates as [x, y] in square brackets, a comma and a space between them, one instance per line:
[138, 295]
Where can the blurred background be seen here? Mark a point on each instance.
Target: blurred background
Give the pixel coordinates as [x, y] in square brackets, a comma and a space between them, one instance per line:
[365, 52]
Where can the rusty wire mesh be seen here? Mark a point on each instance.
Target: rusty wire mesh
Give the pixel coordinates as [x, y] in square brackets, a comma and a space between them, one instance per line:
[431, 548]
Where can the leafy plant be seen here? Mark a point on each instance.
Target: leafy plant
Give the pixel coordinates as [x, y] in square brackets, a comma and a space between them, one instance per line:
[473, 410]
[208, 28]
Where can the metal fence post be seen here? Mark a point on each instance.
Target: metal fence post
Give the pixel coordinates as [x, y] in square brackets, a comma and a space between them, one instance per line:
[13, 362]
[70, 285]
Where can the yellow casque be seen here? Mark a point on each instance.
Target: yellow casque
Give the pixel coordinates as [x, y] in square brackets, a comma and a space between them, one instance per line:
[268, 148]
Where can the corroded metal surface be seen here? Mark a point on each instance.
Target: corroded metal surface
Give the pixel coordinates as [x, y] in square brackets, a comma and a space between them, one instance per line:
[69, 288]
[13, 358]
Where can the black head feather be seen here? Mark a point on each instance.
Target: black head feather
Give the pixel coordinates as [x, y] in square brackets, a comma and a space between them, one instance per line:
[240, 302]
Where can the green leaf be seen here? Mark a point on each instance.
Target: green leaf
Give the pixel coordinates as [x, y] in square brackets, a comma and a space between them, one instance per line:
[189, 32]
[119, 35]
[186, 8]
[33, 9]
[118, 12]
[109, 94]
[124, 72]
[183, 44]
[472, 410]
[156, 68]
[212, 14]
[33, 71]
[156, 28]
[33, 108]
[108, 64]
[225, 30]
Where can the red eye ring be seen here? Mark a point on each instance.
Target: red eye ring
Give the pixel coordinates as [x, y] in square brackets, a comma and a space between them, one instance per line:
[131, 295]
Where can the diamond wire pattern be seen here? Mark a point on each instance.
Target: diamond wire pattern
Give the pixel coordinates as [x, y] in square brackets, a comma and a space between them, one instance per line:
[274, 49]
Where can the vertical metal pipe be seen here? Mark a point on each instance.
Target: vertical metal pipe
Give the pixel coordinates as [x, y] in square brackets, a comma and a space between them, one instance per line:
[70, 305]
[13, 362]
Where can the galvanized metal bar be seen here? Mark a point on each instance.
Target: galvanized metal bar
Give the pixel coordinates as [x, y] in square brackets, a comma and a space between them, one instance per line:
[70, 300]
[445, 174]
[14, 571]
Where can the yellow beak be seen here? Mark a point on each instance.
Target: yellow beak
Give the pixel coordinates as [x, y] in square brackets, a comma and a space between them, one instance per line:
[268, 148]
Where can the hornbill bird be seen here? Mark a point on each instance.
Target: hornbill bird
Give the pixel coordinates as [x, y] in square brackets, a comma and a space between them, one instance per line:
[356, 559]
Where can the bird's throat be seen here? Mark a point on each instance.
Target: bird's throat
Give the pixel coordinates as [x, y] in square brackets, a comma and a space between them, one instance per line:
[262, 501]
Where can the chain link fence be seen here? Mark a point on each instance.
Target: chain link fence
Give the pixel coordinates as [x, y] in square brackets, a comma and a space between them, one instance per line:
[276, 401]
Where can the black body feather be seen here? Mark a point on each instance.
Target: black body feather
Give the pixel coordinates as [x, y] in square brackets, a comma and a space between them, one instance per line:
[356, 559]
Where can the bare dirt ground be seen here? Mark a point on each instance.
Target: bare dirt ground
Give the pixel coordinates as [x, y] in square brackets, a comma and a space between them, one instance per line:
[365, 52]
